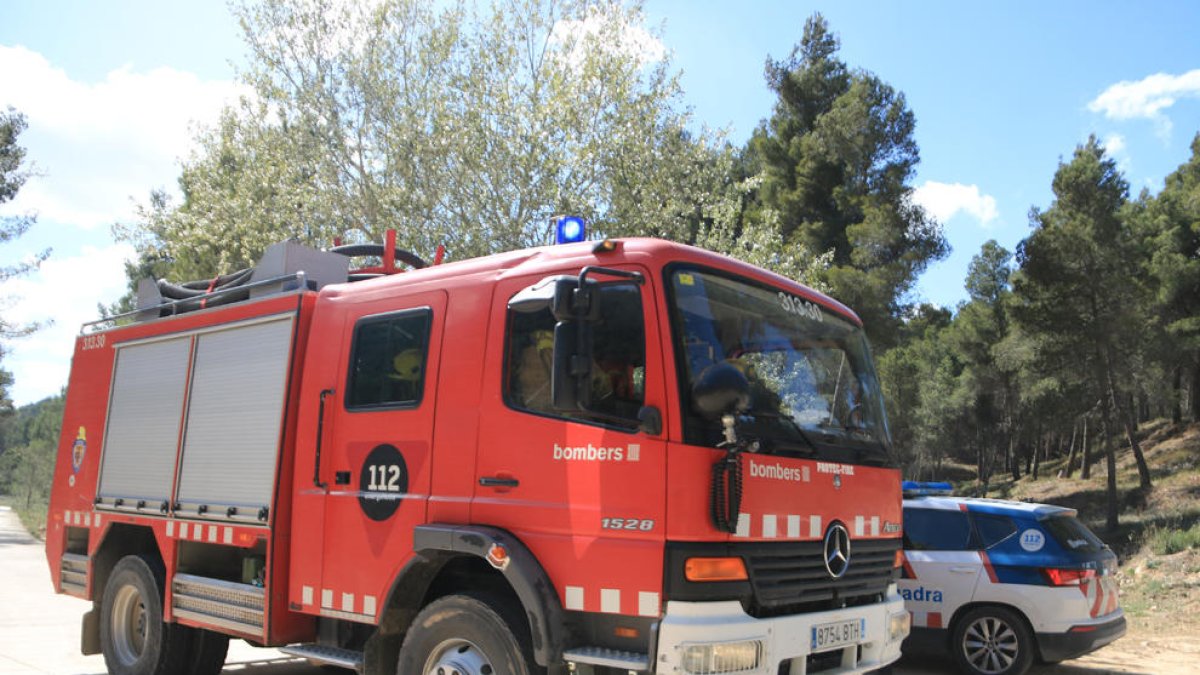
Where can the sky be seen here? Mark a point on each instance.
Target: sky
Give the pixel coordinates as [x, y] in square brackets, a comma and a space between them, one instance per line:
[1002, 92]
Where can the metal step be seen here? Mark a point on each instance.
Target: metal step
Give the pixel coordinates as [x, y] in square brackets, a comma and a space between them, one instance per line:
[74, 573]
[329, 656]
[218, 602]
[609, 658]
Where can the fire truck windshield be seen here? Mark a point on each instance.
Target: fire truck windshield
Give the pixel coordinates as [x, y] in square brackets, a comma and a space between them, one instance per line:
[813, 389]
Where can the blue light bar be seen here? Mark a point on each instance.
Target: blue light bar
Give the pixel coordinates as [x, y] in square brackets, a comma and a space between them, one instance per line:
[569, 229]
[912, 488]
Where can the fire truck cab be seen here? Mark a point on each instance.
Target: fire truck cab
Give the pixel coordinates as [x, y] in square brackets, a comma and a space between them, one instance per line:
[624, 456]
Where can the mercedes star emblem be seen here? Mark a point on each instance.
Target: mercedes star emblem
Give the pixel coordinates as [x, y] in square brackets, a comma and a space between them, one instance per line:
[837, 550]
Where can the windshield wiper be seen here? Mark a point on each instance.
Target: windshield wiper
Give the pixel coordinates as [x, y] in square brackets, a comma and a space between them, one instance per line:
[792, 423]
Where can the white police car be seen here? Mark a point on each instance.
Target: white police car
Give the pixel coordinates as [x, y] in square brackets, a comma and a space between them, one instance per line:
[1002, 583]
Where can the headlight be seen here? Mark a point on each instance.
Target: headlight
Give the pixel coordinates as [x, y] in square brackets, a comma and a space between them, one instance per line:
[898, 626]
[726, 657]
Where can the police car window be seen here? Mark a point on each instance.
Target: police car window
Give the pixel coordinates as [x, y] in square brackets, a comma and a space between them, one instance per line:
[618, 363]
[1072, 534]
[993, 529]
[936, 530]
[387, 360]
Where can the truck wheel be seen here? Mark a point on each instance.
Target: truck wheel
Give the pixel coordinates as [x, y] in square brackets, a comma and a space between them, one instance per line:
[133, 637]
[467, 635]
[992, 641]
[208, 651]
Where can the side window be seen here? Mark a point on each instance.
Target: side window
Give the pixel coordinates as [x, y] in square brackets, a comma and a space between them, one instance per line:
[993, 529]
[936, 530]
[618, 365]
[387, 360]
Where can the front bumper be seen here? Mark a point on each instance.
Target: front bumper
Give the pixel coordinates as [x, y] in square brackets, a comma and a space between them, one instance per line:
[1084, 638]
[785, 639]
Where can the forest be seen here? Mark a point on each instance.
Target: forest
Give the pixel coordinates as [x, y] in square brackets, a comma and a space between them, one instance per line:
[455, 125]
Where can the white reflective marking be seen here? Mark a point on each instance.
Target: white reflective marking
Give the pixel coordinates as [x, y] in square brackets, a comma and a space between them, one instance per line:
[183, 528]
[769, 525]
[96, 522]
[793, 527]
[347, 602]
[814, 527]
[326, 598]
[648, 604]
[874, 526]
[212, 534]
[170, 528]
[859, 525]
[306, 595]
[369, 605]
[87, 519]
[575, 598]
[229, 535]
[743, 525]
[610, 600]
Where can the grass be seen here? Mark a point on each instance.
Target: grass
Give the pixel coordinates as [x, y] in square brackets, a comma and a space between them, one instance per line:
[33, 518]
[1168, 540]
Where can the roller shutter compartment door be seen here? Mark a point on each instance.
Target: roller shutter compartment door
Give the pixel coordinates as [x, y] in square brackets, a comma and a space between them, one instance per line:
[142, 435]
[235, 413]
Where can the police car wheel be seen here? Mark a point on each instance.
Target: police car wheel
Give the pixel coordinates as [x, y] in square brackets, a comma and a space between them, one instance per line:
[992, 641]
[468, 635]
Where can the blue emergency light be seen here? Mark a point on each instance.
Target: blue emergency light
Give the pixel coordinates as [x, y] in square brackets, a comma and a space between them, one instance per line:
[569, 229]
[912, 488]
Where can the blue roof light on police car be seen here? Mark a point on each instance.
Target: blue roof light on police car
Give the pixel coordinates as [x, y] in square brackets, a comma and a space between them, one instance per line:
[912, 488]
[569, 229]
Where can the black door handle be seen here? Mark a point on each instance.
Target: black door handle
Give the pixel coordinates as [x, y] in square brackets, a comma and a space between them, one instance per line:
[496, 481]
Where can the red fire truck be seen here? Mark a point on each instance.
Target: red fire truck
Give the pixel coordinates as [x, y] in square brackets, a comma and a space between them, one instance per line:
[625, 456]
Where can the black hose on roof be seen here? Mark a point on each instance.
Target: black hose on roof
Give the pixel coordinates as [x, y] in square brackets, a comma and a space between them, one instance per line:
[353, 250]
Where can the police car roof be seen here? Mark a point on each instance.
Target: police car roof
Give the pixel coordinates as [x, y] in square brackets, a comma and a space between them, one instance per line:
[1003, 507]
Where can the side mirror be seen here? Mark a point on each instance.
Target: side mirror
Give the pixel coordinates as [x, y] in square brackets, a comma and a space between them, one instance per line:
[721, 389]
[571, 374]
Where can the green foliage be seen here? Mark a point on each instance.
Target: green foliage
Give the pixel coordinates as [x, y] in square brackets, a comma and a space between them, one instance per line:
[468, 126]
[28, 438]
[1168, 540]
[835, 159]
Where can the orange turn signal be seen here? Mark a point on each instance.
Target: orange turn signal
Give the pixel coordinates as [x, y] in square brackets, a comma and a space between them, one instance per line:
[715, 569]
[899, 562]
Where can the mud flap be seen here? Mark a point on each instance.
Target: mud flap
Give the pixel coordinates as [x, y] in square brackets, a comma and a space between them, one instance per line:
[89, 634]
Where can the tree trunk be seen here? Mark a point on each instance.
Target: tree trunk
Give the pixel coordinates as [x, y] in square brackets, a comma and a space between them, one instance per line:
[1112, 514]
[1127, 420]
[1072, 451]
[1039, 449]
[1194, 394]
[1016, 462]
[1176, 398]
[1086, 471]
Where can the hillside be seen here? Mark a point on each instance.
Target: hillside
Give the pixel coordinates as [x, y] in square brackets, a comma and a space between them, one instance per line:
[1159, 537]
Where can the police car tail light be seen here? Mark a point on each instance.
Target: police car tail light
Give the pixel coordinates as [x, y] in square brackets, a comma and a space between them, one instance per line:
[1067, 577]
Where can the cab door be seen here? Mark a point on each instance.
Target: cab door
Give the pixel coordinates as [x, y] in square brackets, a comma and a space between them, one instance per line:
[586, 493]
[378, 436]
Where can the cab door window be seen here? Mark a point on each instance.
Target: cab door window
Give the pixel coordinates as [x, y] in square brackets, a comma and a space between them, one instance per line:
[618, 363]
[387, 360]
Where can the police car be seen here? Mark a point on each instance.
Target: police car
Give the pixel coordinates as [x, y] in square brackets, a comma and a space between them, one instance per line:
[1002, 583]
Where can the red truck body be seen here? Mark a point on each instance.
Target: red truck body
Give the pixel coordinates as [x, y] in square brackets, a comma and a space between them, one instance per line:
[279, 506]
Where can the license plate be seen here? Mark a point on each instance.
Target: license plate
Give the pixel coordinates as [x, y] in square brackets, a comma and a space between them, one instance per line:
[838, 634]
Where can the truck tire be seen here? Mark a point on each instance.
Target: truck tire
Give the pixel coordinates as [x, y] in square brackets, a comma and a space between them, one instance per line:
[470, 634]
[208, 651]
[133, 637]
[992, 641]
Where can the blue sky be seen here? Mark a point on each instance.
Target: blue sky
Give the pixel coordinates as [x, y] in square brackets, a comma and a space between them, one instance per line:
[1001, 93]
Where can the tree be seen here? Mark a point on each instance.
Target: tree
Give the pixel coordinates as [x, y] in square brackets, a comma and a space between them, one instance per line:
[1170, 225]
[12, 178]
[468, 128]
[835, 159]
[1077, 294]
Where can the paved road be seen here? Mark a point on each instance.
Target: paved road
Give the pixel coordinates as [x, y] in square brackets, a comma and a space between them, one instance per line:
[39, 631]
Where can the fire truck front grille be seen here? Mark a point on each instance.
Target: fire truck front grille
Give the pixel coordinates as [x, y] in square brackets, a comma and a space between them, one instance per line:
[791, 577]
